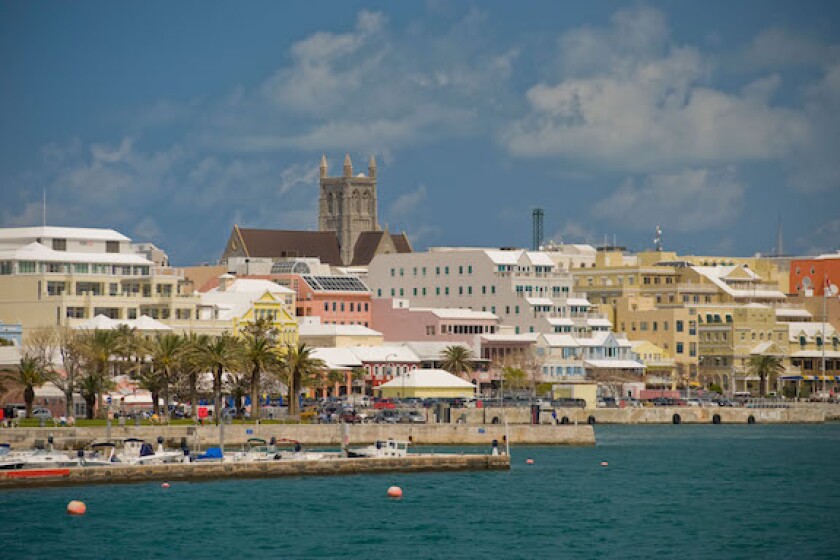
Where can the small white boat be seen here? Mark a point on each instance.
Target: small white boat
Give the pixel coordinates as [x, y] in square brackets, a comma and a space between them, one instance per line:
[138, 452]
[100, 455]
[7, 460]
[388, 448]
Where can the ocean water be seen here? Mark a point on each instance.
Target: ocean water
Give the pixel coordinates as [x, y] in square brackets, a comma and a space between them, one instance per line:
[668, 492]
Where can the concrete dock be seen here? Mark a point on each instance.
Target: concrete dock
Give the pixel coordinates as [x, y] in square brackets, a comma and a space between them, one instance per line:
[183, 472]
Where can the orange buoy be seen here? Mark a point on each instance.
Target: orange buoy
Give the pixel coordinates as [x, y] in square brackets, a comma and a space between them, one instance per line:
[395, 492]
[165, 485]
[529, 461]
[76, 508]
[604, 464]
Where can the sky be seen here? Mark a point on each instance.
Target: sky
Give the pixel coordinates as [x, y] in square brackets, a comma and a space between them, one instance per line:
[172, 121]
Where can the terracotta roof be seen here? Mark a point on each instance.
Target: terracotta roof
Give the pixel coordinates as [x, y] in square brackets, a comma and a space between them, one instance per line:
[276, 243]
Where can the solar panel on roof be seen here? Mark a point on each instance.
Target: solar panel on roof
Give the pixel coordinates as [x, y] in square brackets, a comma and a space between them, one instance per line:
[336, 283]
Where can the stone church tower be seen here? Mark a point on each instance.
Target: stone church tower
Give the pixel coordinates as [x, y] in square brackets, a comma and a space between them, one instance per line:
[348, 205]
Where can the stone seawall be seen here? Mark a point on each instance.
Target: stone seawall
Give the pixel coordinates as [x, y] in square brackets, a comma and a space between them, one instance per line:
[208, 471]
[201, 437]
[695, 415]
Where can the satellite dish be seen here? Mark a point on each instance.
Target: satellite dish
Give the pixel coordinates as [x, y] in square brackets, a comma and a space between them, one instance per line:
[833, 289]
[806, 283]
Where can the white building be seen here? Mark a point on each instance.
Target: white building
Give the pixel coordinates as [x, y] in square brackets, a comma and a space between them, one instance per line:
[527, 290]
[565, 356]
[65, 276]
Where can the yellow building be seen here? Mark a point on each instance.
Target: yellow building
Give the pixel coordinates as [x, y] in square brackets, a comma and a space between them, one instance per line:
[673, 328]
[273, 309]
[427, 384]
[729, 336]
[586, 390]
[660, 368]
[811, 343]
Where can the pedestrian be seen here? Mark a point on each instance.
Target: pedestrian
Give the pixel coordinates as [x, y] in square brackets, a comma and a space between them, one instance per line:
[554, 416]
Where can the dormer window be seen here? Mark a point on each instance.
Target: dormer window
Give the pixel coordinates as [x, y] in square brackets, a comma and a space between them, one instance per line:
[59, 244]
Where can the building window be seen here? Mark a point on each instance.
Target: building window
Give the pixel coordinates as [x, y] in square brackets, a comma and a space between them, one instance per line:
[446, 290]
[437, 271]
[366, 306]
[679, 326]
[393, 272]
[414, 291]
[75, 312]
[402, 292]
[679, 347]
[112, 246]
[59, 244]
[469, 290]
[424, 271]
[379, 292]
[424, 291]
[460, 270]
[5, 268]
[393, 292]
[446, 270]
[437, 290]
[469, 269]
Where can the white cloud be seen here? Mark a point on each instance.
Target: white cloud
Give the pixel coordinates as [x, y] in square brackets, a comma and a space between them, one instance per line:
[407, 203]
[632, 100]
[687, 201]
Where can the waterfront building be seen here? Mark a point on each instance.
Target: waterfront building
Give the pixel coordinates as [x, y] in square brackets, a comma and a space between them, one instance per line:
[427, 384]
[660, 368]
[237, 302]
[66, 276]
[812, 276]
[810, 344]
[526, 290]
[398, 321]
[313, 332]
[603, 356]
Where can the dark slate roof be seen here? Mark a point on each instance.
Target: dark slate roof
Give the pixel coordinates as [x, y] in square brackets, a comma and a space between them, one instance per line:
[401, 243]
[365, 248]
[277, 243]
[369, 241]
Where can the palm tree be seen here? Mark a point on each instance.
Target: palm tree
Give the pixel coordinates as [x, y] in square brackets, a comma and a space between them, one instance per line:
[298, 365]
[92, 384]
[458, 360]
[167, 352]
[219, 354]
[193, 365]
[30, 373]
[98, 349]
[260, 355]
[765, 367]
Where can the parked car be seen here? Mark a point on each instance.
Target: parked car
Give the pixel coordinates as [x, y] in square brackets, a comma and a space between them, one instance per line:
[381, 404]
[386, 416]
[412, 417]
[607, 402]
[568, 403]
[42, 413]
[351, 416]
[693, 402]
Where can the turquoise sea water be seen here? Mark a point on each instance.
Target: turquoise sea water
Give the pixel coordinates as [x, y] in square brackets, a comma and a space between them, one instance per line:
[668, 492]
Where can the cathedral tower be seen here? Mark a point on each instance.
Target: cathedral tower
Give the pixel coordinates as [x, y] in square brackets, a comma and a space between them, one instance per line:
[348, 205]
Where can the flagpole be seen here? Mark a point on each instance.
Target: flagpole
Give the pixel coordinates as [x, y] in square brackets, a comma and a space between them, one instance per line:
[824, 319]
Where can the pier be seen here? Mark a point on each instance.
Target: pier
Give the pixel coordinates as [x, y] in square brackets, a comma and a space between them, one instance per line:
[191, 472]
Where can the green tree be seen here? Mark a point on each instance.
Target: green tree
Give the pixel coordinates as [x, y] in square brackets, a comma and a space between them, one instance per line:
[193, 366]
[297, 366]
[98, 350]
[92, 384]
[458, 360]
[765, 367]
[219, 354]
[260, 355]
[167, 352]
[30, 373]
[514, 377]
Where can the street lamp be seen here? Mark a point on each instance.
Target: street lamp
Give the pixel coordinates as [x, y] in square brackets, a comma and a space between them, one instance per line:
[390, 369]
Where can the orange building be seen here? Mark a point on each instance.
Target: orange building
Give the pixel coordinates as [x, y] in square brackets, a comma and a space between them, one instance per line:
[815, 274]
[337, 300]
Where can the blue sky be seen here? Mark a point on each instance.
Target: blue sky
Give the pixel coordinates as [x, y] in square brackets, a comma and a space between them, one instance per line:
[171, 121]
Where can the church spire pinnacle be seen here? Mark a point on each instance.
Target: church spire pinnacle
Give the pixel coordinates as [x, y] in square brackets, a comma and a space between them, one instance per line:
[323, 165]
[372, 166]
[348, 166]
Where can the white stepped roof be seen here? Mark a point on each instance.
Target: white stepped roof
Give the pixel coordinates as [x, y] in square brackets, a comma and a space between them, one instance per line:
[385, 354]
[252, 286]
[52, 232]
[318, 329]
[103, 323]
[560, 322]
[541, 301]
[38, 252]
[579, 302]
[337, 358]
[428, 379]
[456, 313]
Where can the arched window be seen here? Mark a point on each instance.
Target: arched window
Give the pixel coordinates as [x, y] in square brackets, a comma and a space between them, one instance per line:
[357, 206]
[366, 202]
[330, 203]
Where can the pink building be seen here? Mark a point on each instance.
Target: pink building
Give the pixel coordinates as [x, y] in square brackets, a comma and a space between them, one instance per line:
[399, 322]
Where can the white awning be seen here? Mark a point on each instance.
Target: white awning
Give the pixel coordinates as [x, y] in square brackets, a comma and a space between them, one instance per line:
[614, 364]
